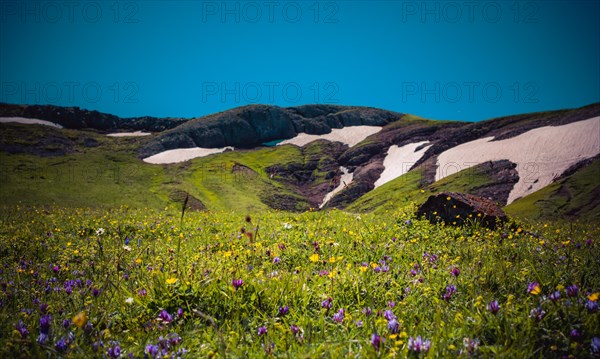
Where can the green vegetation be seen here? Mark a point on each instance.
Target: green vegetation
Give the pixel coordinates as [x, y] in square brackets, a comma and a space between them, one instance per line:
[409, 188]
[88, 283]
[575, 196]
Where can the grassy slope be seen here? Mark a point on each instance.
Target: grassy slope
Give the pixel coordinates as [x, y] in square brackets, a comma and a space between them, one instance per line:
[214, 182]
[110, 175]
[576, 194]
[101, 176]
[406, 189]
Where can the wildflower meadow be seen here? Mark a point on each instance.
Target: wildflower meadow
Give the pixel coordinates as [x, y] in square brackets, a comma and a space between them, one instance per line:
[132, 283]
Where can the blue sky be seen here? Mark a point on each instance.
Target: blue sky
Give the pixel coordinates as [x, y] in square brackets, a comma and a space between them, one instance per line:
[444, 60]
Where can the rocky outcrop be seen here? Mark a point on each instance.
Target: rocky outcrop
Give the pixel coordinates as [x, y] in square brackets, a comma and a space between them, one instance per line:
[460, 208]
[193, 203]
[14, 138]
[77, 118]
[363, 182]
[251, 126]
[503, 177]
[312, 176]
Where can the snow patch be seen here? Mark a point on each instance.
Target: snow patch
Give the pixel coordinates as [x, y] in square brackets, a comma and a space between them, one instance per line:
[350, 135]
[541, 154]
[345, 180]
[183, 154]
[399, 160]
[129, 134]
[29, 121]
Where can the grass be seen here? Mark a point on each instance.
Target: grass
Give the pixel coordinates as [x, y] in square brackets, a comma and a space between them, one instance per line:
[84, 282]
[577, 195]
[111, 175]
[408, 188]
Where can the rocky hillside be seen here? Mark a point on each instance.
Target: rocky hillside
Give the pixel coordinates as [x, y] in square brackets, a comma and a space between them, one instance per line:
[540, 163]
[76, 118]
[251, 126]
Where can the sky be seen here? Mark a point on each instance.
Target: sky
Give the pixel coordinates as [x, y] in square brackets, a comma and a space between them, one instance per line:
[460, 60]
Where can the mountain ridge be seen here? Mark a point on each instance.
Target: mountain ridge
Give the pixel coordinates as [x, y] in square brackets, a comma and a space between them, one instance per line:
[298, 180]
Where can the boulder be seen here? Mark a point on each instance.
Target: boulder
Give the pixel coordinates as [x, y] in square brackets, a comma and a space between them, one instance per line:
[460, 208]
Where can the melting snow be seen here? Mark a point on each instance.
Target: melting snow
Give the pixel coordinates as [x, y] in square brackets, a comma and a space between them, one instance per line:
[399, 160]
[29, 121]
[183, 154]
[129, 134]
[541, 154]
[344, 181]
[350, 135]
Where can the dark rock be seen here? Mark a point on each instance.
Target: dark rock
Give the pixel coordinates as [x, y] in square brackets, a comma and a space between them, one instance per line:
[90, 142]
[253, 125]
[363, 181]
[503, 176]
[77, 118]
[458, 208]
[193, 203]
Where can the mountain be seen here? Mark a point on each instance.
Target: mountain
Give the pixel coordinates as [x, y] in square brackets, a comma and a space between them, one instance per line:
[539, 165]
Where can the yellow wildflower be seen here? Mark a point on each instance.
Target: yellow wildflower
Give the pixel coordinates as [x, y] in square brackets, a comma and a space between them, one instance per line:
[80, 319]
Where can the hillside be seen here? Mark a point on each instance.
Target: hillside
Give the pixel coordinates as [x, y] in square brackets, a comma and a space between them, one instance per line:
[539, 164]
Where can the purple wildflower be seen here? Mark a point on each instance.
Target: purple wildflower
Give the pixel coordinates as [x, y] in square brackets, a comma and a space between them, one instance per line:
[389, 315]
[367, 311]
[165, 316]
[326, 303]
[455, 271]
[237, 283]
[42, 338]
[393, 326]
[174, 339]
[554, 296]
[114, 351]
[152, 350]
[418, 345]
[595, 345]
[339, 316]
[295, 329]
[493, 307]
[591, 306]
[537, 313]
[284, 311]
[61, 345]
[376, 341]
[22, 329]
[262, 330]
[142, 292]
[179, 313]
[276, 260]
[45, 322]
[391, 304]
[575, 335]
[572, 290]
[450, 290]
